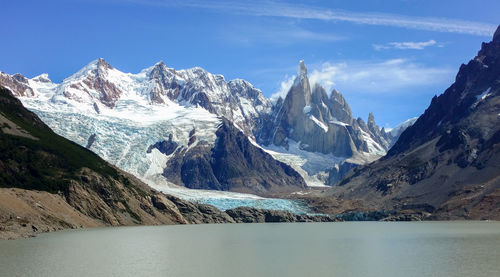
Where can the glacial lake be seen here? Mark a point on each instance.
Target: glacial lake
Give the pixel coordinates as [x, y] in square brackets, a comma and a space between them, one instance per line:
[295, 249]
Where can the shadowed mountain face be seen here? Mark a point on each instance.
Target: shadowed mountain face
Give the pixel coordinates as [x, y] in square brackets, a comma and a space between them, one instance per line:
[448, 162]
[233, 163]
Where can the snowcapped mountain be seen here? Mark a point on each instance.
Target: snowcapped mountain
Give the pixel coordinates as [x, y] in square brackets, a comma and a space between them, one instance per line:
[399, 129]
[194, 129]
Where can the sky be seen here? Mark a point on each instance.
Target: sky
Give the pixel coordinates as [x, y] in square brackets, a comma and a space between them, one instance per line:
[388, 57]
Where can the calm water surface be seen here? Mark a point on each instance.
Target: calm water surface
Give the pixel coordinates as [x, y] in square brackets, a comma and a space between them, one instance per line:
[315, 249]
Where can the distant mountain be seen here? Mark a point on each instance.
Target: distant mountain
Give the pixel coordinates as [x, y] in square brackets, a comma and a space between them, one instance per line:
[399, 129]
[448, 162]
[154, 123]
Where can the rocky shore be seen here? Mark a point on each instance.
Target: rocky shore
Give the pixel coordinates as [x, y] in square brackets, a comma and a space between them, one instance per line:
[26, 213]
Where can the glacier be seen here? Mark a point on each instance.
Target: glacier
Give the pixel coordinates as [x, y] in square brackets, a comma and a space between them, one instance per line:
[125, 133]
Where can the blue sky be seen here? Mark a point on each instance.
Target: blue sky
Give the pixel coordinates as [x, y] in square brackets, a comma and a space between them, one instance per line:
[385, 56]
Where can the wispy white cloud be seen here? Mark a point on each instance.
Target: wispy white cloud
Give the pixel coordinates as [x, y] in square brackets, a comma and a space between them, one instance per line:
[414, 45]
[285, 86]
[275, 34]
[296, 11]
[396, 76]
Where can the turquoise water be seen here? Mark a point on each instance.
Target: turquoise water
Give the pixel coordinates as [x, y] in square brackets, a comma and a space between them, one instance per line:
[297, 207]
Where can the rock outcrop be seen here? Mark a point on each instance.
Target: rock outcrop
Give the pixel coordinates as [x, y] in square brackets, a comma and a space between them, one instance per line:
[17, 83]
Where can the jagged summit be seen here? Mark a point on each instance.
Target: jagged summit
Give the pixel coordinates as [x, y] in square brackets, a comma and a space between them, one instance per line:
[99, 63]
[44, 78]
[320, 123]
[496, 36]
[302, 69]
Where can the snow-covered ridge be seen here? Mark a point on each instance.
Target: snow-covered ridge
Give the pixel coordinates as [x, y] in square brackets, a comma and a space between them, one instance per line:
[99, 84]
[396, 131]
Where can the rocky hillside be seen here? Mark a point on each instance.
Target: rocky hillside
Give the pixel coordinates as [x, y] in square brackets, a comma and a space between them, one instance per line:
[448, 162]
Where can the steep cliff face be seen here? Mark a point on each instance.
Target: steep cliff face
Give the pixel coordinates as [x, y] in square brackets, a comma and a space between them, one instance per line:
[446, 163]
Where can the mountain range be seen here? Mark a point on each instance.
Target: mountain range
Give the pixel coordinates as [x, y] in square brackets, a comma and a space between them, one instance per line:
[49, 183]
[194, 129]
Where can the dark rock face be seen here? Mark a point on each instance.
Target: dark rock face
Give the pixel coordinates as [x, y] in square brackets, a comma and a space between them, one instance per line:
[233, 163]
[251, 215]
[459, 101]
[447, 162]
[335, 174]
[91, 141]
[96, 108]
[166, 147]
[164, 84]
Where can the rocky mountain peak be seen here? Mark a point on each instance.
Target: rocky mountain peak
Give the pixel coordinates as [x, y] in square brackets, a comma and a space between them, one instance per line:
[496, 36]
[158, 68]
[336, 95]
[371, 119]
[446, 163]
[372, 126]
[43, 78]
[17, 83]
[103, 64]
[302, 69]
[164, 83]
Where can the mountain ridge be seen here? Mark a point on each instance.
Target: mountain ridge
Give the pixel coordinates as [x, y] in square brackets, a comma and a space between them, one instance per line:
[446, 163]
